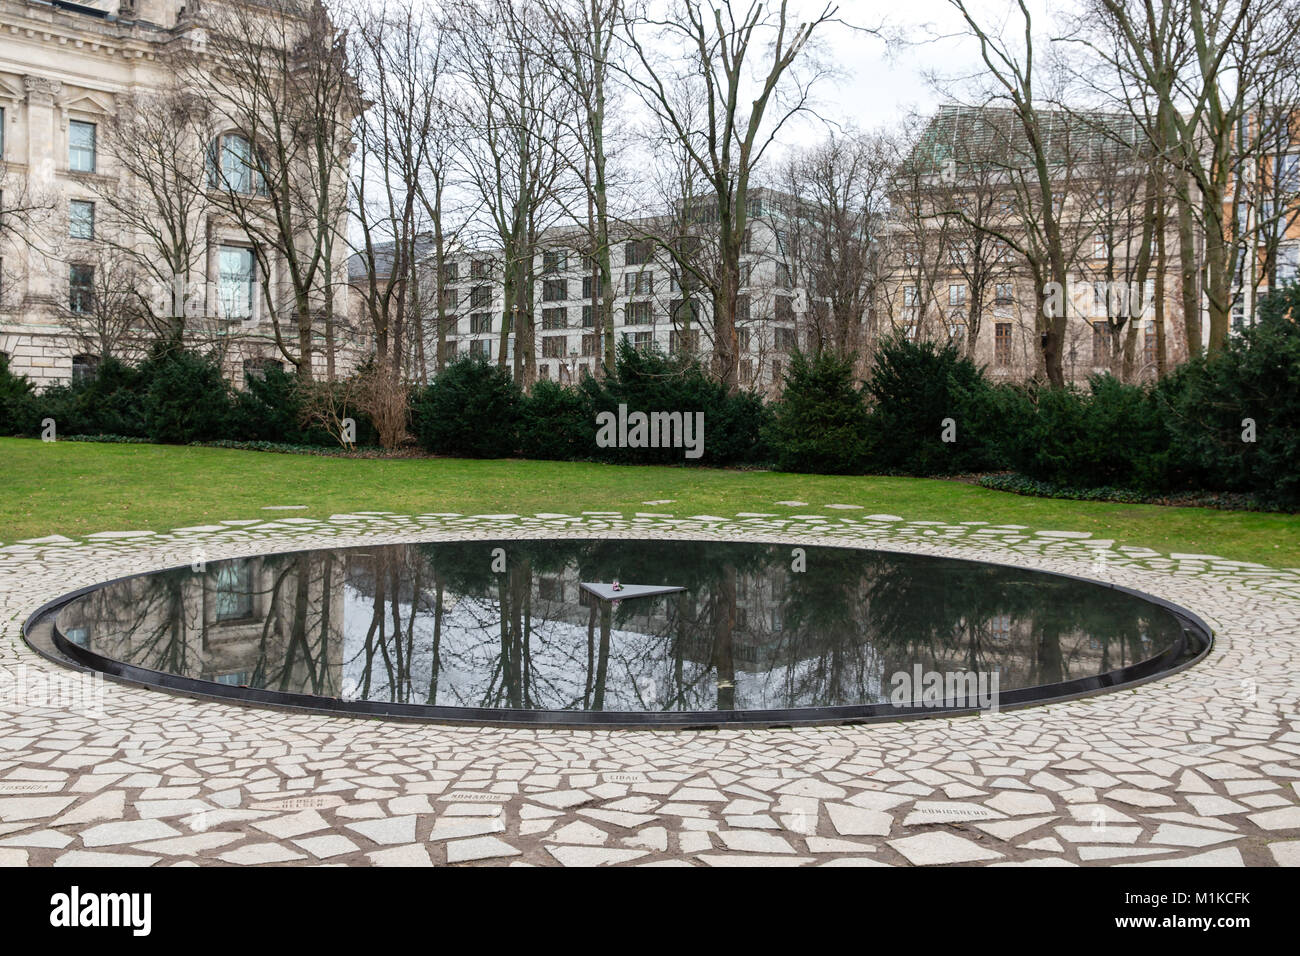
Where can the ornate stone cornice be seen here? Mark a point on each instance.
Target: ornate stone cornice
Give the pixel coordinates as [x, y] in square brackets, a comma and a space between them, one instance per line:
[41, 89]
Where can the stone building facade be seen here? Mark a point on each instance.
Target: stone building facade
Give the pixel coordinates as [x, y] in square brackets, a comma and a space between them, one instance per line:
[65, 69]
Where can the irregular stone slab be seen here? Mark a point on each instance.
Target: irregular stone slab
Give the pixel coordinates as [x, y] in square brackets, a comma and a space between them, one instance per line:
[940, 848]
[88, 858]
[859, 821]
[754, 841]
[1177, 835]
[579, 832]
[479, 848]
[390, 831]
[413, 854]
[127, 831]
[1287, 818]
[925, 812]
[256, 854]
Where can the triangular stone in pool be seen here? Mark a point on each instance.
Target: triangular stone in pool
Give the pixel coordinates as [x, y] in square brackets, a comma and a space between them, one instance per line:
[606, 592]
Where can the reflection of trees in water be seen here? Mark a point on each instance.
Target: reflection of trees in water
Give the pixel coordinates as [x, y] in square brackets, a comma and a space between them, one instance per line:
[443, 624]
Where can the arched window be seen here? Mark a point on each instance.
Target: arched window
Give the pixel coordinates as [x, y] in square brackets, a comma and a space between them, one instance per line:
[233, 165]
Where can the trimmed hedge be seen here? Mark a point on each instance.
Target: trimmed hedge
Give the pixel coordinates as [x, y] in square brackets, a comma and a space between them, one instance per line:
[1226, 425]
[821, 424]
[932, 412]
[470, 410]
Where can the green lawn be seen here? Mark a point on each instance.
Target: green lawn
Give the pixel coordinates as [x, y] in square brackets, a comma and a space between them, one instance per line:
[74, 488]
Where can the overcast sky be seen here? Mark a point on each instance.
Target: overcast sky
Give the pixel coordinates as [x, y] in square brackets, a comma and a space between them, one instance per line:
[887, 77]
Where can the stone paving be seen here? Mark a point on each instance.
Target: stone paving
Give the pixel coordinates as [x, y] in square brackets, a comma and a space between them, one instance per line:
[1200, 768]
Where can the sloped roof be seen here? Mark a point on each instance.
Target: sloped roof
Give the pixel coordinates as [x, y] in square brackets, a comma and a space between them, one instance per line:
[384, 253]
[994, 136]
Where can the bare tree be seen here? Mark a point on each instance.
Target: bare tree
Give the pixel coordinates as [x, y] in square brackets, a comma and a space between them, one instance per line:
[101, 305]
[723, 54]
[398, 59]
[277, 80]
[1206, 75]
[1041, 147]
[838, 194]
[919, 243]
[512, 150]
[154, 212]
[584, 32]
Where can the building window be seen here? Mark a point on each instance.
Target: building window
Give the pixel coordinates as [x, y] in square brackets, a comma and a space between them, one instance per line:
[1101, 343]
[84, 367]
[588, 317]
[81, 289]
[685, 342]
[480, 348]
[742, 308]
[591, 344]
[1002, 344]
[480, 323]
[232, 165]
[642, 341]
[783, 278]
[639, 283]
[684, 311]
[480, 269]
[777, 370]
[784, 308]
[480, 297]
[235, 280]
[555, 290]
[233, 600]
[909, 297]
[742, 339]
[554, 346]
[553, 260]
[639, 313]
[256, 368]
[81, 219]
[450, 272]
[81, 146]
[450, 299]
[785, 340]
[746, 371]
[956, 295]
[1002, 294]
[1149, 345]
[555, 318]
[638, 252]
[1288, 263]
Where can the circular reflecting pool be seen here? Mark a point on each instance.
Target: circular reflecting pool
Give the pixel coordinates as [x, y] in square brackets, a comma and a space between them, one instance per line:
[661, 632]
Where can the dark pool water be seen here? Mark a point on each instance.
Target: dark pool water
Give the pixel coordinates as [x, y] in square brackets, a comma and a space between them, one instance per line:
[506, 626]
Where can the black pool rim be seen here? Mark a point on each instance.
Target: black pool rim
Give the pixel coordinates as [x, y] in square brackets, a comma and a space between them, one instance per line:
[1195, 641]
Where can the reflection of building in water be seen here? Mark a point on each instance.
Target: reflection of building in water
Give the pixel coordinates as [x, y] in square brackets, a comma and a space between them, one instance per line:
[429, 624]
[268, 622]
